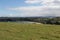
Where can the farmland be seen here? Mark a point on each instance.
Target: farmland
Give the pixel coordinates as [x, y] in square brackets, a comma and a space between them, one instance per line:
[25, 31]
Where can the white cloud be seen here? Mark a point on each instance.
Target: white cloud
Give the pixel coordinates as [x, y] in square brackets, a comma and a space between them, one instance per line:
[29, 11]
[49, 8]
[53, 3]
[38, 11]
[32, 1]
[30, 8]
[38, 1]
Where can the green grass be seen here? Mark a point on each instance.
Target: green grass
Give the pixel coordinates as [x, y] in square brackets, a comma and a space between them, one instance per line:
[19, 31]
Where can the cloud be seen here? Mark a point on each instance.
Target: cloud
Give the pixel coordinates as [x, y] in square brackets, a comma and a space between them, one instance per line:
[37, 11]
[32, 1]
[29, 11]
[48, 8]
[53, 3]
[38, 1]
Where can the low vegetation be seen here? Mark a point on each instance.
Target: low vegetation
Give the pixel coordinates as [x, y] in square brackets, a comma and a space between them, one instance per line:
[20, 31]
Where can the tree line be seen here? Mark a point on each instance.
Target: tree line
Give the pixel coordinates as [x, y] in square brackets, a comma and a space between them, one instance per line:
[44, 20]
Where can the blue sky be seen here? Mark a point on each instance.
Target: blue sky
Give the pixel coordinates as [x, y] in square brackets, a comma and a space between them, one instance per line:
[28, 8]
[4, 4]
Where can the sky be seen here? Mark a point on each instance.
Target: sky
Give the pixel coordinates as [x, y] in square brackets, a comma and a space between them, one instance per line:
[29, 8]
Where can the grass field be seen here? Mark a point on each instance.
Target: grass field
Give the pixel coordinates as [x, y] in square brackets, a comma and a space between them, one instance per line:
[19, 31]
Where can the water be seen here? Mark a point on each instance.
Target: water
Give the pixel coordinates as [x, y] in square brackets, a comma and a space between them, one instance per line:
[24, 22]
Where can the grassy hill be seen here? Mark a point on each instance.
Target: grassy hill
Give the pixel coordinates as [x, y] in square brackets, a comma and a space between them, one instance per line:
[20, 31]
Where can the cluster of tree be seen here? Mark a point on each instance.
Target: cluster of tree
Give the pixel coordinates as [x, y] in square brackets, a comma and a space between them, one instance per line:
[44, 20]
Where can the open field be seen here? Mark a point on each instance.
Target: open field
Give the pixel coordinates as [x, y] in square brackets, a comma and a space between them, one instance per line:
[20, 31]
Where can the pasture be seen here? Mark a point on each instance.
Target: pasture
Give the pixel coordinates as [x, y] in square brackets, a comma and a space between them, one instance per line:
[28, 31]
